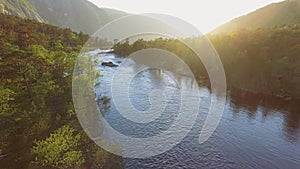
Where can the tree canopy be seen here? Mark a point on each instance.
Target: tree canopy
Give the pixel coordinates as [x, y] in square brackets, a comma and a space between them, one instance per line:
[38, 125]
[258, 60]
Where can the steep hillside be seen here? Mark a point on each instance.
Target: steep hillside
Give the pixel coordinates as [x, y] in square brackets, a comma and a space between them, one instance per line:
[286, 12]
[79, 15]
[20, 8]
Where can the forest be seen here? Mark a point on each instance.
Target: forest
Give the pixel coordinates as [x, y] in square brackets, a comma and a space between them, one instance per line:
[39, 127]
[263, 60]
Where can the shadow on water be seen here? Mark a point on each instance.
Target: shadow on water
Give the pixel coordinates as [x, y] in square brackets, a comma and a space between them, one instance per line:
[263, 132]
[269, 106]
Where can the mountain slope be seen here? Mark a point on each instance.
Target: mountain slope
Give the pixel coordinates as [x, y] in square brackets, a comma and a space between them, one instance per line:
[286, 12]
[79, 15]
[20, 8]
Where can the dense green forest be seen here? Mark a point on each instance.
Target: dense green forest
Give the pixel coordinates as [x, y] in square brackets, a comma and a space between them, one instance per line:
[126, 48]
[258, 60]
[39, 128]
[262, 60]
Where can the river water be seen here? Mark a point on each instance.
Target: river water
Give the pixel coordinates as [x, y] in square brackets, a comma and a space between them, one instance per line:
[256, 131]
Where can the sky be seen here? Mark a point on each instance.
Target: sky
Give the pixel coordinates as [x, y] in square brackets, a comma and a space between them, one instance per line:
[205, 15]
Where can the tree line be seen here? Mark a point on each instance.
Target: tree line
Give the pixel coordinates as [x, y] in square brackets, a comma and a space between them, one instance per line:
[265, 60]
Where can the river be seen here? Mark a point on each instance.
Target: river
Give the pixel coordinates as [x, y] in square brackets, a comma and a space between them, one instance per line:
[256, 131]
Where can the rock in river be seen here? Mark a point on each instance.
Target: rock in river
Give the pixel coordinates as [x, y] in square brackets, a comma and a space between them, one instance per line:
[109, 64]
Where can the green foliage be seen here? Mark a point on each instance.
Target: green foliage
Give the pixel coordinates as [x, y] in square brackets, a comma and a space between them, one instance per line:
[6, 96]
[259, 60]
[36, 68]
[59, 149]
[172, 45]
[262, 60]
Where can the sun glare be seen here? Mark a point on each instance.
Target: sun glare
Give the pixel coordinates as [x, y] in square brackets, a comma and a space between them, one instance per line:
[205, 15]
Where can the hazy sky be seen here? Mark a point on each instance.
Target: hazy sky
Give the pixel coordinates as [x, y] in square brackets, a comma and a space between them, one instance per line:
[204, 14]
